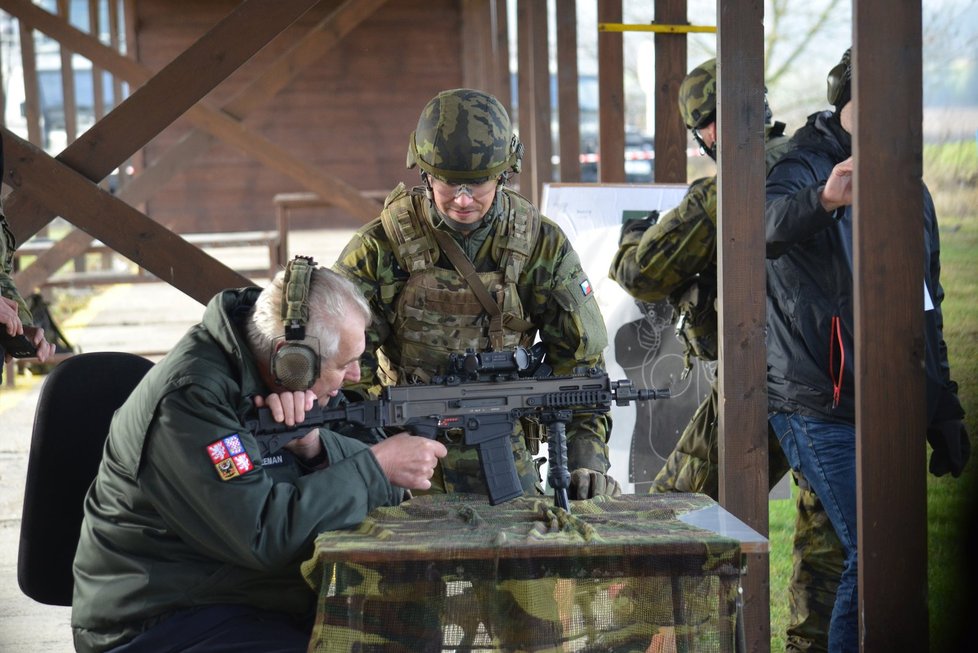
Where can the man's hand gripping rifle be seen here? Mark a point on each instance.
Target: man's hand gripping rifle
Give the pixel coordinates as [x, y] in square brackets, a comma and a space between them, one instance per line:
[485, 405]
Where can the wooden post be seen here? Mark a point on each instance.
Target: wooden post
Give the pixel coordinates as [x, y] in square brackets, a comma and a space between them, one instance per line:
[534, 98]
[888, 260]
[568, 100]
[611, 96]
[743, 453]
[670, 68]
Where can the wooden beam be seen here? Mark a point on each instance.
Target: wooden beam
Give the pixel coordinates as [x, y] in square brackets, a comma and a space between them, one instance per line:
[888, 262]
[743, 442]
[163, 98]
[670, 68]
[32, 97]
[309, 49]
[611, 96]
[63, 191]
[568, 94]
[119, 89]
[152, 107]
[68, 104]
[98, 86]
[534, 97]
[499, 26]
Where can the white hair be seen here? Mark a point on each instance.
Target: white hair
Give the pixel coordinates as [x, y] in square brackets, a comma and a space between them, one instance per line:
[332, 299]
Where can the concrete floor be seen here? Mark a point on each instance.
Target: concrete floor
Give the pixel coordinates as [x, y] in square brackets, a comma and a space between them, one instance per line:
[138, 318]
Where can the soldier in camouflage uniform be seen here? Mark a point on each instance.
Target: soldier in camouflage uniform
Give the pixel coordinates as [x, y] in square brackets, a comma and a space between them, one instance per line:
[15, 317]
[464, 262]
[674, 257]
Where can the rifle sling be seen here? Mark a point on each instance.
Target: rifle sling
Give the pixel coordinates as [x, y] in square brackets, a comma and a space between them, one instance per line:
[464, 267]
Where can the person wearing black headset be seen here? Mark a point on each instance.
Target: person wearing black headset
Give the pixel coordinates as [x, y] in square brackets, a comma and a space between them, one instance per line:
[192, 537]
[810, 327]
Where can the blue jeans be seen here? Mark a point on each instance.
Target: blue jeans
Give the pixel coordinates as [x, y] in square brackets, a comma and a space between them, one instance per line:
[825, 452]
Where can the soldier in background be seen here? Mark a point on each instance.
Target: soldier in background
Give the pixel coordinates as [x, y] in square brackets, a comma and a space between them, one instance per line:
[674, 257]
[15, 317]
[462, 262]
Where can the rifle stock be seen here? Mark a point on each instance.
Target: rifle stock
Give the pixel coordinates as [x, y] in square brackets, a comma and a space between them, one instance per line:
[485, 411]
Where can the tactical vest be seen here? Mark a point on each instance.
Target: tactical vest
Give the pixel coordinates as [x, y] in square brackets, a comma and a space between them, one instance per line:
[695, 303]
[437, 312]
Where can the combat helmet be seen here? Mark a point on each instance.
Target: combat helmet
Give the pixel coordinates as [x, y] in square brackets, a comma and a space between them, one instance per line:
[464, 135]
[698, 95]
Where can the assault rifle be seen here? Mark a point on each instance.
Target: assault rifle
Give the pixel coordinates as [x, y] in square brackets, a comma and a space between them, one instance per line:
[485, 412]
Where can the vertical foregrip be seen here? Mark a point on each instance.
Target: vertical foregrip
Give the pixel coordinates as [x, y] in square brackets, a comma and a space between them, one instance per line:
[558, 476]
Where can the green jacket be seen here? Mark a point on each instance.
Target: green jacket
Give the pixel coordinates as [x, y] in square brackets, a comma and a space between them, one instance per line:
[162, 531]
[554, 292]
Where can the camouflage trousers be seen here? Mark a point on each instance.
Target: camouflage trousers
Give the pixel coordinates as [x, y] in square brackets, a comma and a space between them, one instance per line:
[816, 551]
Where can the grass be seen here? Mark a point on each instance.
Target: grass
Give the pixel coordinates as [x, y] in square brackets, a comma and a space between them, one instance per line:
[951, 171]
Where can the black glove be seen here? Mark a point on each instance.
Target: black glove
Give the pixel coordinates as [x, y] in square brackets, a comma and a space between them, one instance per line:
[637, 226]
[951, 447]
[587, 483]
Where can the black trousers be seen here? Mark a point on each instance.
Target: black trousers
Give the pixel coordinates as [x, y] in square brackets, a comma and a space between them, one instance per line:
[223, 629]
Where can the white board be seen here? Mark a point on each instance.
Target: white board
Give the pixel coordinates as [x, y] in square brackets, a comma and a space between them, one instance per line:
[642, 342]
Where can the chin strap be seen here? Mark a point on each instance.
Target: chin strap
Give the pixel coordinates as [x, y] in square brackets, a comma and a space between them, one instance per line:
[708, 151]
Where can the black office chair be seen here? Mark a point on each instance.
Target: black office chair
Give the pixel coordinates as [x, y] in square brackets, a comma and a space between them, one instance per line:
[74, 409]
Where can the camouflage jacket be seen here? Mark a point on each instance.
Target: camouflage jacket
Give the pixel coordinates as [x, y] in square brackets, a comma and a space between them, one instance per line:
[7, 287]
[676, 258]
[552, 288]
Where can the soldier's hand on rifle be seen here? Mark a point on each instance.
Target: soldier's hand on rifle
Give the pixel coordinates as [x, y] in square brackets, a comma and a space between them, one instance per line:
[409, 460]
[588, 483]
[44, 348]
[637, 226]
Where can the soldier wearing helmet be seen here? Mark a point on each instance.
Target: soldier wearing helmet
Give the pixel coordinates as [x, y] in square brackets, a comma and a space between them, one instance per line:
[698, 105]
[463, 261]
[674, 258]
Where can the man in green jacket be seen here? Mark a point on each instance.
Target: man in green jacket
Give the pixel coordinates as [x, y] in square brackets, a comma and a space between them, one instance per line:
[192, 538]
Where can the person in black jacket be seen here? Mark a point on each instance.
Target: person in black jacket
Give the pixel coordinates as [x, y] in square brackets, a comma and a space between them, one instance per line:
[811, 385]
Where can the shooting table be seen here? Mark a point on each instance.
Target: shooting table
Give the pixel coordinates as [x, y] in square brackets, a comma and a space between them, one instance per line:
[452, 572]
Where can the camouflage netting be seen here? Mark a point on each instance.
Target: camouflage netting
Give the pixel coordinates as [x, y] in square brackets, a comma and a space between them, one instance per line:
[452, 573]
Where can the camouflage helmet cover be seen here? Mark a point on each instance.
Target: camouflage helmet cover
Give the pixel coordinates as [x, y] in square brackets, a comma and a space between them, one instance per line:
[698, 95]
[464, 135]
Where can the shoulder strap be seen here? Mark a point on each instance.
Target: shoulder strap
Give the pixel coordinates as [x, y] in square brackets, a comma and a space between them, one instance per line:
[519, 228]
[403, 223]
[497, 321]
[467, 270]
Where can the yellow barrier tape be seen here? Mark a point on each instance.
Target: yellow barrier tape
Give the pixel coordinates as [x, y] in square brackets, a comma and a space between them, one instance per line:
[667, 29]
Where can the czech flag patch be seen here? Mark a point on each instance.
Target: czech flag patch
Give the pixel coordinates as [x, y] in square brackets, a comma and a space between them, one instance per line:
[229, 457]
[586, 287]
